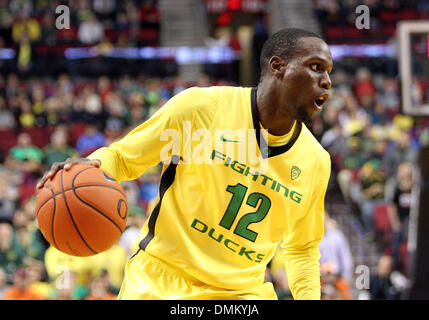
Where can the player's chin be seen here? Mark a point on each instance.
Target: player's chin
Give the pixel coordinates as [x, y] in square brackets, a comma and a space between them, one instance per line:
[305, 114]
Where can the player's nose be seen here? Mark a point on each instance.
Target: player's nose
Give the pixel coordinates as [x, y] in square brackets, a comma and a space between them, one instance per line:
[325, 82]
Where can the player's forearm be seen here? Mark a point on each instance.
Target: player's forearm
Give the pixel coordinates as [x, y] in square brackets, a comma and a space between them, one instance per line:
[303, 272]
[129, 158]
[116, 164]
[110, 162]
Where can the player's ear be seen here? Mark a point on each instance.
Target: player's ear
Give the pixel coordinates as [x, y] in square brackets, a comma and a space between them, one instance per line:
[277, 66]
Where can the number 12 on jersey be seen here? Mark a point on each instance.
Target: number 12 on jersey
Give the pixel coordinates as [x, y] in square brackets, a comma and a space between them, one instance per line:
[238, 194]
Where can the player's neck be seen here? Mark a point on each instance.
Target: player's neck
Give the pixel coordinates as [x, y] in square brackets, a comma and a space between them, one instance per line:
[267, 103]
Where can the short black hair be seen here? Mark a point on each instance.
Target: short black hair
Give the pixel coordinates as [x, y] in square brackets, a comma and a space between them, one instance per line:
[283, 44]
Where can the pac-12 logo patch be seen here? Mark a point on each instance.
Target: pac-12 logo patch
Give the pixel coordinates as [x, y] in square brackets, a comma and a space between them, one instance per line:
[295, 172]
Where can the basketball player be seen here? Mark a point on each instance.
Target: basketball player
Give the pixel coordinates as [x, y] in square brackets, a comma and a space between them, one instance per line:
[217, 225]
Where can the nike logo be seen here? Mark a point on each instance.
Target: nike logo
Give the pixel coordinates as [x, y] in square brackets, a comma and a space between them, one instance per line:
[222, 137]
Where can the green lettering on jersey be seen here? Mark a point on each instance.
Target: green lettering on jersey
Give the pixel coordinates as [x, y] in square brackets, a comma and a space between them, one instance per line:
[230, 244]
[201, 224]
[246, 171]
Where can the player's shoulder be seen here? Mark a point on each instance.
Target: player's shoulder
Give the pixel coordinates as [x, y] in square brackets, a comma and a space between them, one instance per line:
[193, 100]
[317, 151]
[214, 92]
[199, 97]
[202, 99]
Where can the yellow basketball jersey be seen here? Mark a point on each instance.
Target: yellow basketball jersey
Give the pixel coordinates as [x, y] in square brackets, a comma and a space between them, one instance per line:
[226, 198]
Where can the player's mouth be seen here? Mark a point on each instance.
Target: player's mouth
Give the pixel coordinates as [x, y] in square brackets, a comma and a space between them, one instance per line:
[319, 101]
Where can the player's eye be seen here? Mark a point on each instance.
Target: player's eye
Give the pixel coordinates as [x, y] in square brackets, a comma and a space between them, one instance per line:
[315, 67]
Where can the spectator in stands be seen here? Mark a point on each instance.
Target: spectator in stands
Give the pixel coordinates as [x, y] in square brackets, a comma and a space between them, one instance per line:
[379, 114]
[3, 283]
[138, 111]
[28, 156]
[31, 242]
[6, 22]
[388, 95]
[104, 8]
[37, 277]
[330, 286]
[335, 251]
[8, 199]
[336, 144]
[78, 113]
[118, 114]
[136, 220]
[26, 26]
[372, 180]
[134, 29]
[58, 150]
[17, 6]
[10, 173]
[330, 12]
[11, 252]
[55, 113]
[399, 212]
[48, 29]
[149, 187]
[7, 120]
[2, 83]
[179, 85]
[99, 288]
[352, 161]
[63, 290]
[91, 31]
[423, 5]
[352, 118]
[364, 85]
[402, 151]
[67, 287]
[93, 107]
[90, 140]
[20, 290]
[64, 85]
[381, 284]
[24, 54]
[13, 88]
[20, 218]
[113, 130]
[26, 118]
[149, 14]
[25, 31]
[38, 100]
[376, 149]
[335, 248]
[122, 24]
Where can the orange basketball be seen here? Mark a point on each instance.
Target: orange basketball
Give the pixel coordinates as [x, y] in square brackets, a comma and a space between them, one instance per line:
[82, 211]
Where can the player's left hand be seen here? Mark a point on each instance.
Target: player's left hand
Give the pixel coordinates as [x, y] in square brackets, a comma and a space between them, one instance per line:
[66, 165]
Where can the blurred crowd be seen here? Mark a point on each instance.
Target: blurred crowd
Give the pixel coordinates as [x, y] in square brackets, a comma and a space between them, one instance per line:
[338, 18]
[43, 121]
[372, 145]
[44, 28]
[127, 22]
[374, 149]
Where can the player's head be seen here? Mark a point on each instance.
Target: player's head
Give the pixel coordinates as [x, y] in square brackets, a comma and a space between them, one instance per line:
[295, 64]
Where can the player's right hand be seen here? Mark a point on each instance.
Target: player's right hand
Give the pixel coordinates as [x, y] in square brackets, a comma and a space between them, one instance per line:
[66, 165]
